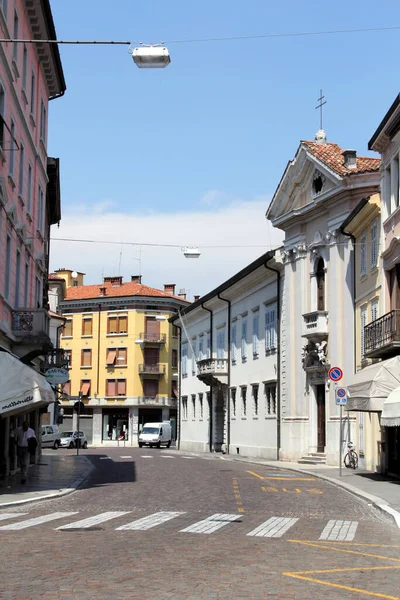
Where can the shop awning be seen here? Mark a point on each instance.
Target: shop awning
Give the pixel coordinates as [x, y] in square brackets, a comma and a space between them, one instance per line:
[372, 385]
[22, 388]
[391, 410]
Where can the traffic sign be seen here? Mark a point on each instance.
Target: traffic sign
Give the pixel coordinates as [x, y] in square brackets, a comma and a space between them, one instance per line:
[335, 374]
[341, 396]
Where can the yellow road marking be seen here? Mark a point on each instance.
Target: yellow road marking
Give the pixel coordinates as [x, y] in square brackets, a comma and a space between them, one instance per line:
[240, 510]
[342, 570]
[255, 475]
[359, 544]
[314, 545]
[287, 478]
[344, 587]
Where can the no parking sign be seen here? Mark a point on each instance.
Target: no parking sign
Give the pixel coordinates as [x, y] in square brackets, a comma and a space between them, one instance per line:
[341, 396]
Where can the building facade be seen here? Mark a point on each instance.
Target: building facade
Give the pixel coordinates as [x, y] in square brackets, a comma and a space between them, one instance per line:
[30, 76]
[318, 189]
[123, 356]
[229, 394]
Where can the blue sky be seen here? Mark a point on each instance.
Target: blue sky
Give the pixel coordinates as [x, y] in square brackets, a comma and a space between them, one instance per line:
[206, 139]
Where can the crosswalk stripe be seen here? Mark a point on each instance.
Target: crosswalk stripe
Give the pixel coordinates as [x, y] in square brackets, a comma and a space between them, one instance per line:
[339, 531]
[36, 521]
[189, 457]
[167, 456]
[211, 524]
[150, 521]
[105, 457]
[126, 457]
[5, 516]
[146, 456]
[275, 527]
[96, 520]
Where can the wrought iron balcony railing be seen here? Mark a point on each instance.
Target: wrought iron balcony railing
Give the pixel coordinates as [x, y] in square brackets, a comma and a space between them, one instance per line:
[382, 336]
[153, 338]
[157, 400]
[57, 357]
[30, 323]
[157, 369]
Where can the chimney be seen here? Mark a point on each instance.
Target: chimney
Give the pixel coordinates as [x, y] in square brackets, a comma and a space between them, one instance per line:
[102, 290]
[169, 288]
[350, 159]
[182, 295]
[136, 279]
[115, 281]
[195, 298]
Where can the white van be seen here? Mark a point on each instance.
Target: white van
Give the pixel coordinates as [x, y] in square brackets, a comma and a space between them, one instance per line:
[155, 434]
[50, 436]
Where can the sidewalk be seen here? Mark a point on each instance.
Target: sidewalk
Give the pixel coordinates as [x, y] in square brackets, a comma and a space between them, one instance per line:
[54, 476]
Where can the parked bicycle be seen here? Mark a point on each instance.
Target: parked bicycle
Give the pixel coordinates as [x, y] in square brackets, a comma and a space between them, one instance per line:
[351, 458]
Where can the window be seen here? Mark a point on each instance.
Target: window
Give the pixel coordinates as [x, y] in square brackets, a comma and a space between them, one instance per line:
[121, 359]
[255, 400]
[363, 322]
[201, 350]
[40, 215]
[150, 388]
[116, 387]
[21, 170]
[193, 406]
[208, 345]
[320, 278]
[85, 387]
[67, 331]
[270, 398]
[184, 407]
[201, 408]
[43, 119]
[87, 326]
[8, 267]
[38, 293]
[86, 358]
[175, 331]
[26, 285]
[221, 343]
[17, 279]
[117, 325]
[374, 310]
[233, 403]
[174, 361]
[68, 354]
[244, 339]
[184, 361]
[363, 254]
[243, 391]
[33, 85]
[12, 147]
[208, 396]
[29, 207]
[270, 328]
[24, 66]
[233, 344]
[255, 334]
[194, 357]
[374, 244]
[15, 46]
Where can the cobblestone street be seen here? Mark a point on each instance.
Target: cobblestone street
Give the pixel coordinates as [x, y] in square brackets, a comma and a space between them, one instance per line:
[162, 524]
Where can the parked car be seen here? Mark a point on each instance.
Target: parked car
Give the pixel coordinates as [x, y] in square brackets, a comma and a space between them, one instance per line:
[50, 436]
[69, 439]
[155, 434]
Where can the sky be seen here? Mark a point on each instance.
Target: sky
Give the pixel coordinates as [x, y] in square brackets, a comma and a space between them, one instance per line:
[191, 155]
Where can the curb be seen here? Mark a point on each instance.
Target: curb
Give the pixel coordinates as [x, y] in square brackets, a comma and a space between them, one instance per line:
[58, 494]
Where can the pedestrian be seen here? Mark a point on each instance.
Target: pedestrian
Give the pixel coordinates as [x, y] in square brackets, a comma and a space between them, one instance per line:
[25, 438]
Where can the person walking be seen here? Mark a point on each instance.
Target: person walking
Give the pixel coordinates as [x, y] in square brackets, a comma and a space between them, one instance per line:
[25, 438]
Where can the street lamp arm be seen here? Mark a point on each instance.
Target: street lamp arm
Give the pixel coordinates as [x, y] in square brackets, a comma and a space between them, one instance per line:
[81, 42]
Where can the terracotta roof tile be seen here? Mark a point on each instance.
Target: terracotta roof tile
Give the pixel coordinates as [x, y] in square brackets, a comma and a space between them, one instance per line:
[53, 277]
[331, 155]
[130, 288]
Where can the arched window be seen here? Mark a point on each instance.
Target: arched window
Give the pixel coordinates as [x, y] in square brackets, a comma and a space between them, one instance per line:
[320, 276]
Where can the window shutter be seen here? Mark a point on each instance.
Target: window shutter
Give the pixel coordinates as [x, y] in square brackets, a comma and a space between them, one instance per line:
[121, 356]
[255, 334]
[112, 324]
[273, 328]
[374, 244]
[123, 325]
[121, 387]
[111, 387]
[244, 339]
[233, 343]
[363, 254]
[111, 354]
[363, 323]
[87, 327]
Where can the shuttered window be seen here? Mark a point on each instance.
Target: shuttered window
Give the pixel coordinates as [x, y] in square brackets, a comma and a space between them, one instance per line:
[233, 343]
[270, 327]
[255, 334]
[374, 244]
[85, 387]
[86, 358]
[244, 339]
[122, 357]
[221, 343]
[111, 356]
[87, 326]
[363, 322]
[150, 388]
[117, 325]
[116, 387]
[67, 331]
[363, 254]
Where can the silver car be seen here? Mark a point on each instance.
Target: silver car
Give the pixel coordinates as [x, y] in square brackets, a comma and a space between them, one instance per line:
[69, 439]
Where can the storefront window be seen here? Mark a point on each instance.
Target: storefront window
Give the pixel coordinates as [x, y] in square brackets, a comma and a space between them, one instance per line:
[115, 424]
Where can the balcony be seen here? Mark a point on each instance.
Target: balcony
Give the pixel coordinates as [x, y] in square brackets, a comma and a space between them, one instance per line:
[57, 357]
[382, 337]
[157, 369]
[156, 401]
[315, 325]
[30, 327]
[213, 371]
[152, 338]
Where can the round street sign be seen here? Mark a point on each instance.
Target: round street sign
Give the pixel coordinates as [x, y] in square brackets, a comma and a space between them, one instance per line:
[57, 375]
[335, 374]
[341, 393]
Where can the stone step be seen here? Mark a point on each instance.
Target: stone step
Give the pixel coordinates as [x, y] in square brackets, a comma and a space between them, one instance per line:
[313, 458]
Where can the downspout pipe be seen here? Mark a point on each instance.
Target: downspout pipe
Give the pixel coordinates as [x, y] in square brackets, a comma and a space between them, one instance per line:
[98, 349]
[178, 433]
[211, 398]
[278, 358]
[353, 239]
[228, 402]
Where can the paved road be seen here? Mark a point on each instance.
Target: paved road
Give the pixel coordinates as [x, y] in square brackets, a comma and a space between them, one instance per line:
[162, 524]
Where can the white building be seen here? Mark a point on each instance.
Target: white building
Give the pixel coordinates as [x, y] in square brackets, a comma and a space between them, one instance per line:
[318, 189]
[229, 399]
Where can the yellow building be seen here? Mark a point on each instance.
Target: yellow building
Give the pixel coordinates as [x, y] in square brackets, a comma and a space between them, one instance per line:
[364, 226]
[123, 356]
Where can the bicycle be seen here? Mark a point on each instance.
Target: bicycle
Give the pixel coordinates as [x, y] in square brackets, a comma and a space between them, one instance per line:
[351, 458]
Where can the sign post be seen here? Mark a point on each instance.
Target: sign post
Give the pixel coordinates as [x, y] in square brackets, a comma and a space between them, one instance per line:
[78, 406]
[335, 374]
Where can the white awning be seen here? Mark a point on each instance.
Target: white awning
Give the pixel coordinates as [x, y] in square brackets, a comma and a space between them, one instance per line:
[22, 388]
[391, 410]
[371, 386]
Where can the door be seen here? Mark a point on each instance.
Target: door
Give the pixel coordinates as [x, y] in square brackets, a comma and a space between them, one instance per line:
[151, 356]
[320, 393]
[152, 329]
[150, 388]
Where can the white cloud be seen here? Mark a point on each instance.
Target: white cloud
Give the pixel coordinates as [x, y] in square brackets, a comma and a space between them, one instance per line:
[238, 223]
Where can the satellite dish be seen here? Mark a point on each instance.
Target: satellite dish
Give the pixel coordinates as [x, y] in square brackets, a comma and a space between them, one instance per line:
[74, 274]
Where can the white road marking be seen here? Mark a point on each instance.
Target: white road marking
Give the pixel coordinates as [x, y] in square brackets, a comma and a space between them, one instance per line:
[105, 457]
[167, 456]
[275, 527]
[189, 457]
[4, 516]
[150, 521]
[36, 521]
[211, 524]
[126, 456]
[91, 521]
[147, 456]
[340, 531]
